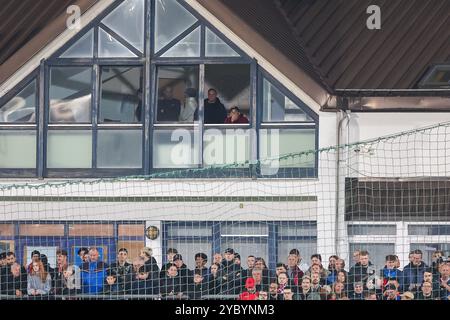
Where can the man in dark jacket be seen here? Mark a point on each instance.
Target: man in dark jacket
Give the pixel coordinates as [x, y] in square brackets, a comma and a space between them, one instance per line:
[413, 273]
[14, 280]
[122, 269]
[215, 112]
[231, 273]
[186, 275]
[361, 271]
[198, 287]
[168, 106]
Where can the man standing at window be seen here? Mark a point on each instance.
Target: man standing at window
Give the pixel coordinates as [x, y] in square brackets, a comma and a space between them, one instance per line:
[168, 106]
[215, 112]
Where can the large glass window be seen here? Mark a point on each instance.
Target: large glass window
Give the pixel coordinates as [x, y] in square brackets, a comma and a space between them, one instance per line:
[70, 94]
[277, 107]
[99, 98]
[121, 95]
[177, 94]
[232, 85]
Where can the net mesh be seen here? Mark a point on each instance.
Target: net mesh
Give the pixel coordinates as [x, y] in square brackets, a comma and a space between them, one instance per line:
[373, 223]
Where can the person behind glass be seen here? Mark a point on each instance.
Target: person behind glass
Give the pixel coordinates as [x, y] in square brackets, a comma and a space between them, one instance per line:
[235, 116]
[190, 105]
[39, 280]
[143, 282]
[215, 112]
[168, 107]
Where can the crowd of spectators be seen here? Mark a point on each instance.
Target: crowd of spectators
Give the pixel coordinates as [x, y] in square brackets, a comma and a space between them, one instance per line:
[226, 277]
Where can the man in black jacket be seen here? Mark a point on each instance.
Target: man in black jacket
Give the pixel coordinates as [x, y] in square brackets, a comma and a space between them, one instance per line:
[215, 112]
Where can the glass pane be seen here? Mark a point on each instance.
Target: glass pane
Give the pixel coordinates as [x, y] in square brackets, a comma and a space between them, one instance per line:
[293, 229]
[277, 107]
[69, 149]
[22, 107]
[171, 20]
[428, 249]
[279, 142]
[377, 252]
[306, 248]
[127, 20]
[216, 47]
[226, 146]
[232, 83]
[83, 48]
[177, 94]
[246, 246]
[70, 94]
[110, 47]
[428, 230]
[187, 47]
[121, 95]
[175, 149]
[383, 230]
[119, 149]
[188, 249]
[17, 149]
[244, 228]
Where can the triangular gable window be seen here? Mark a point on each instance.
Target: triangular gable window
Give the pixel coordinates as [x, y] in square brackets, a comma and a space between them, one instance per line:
[127, 20]
[83, 48]
[189, 46]
[170, 21]
[216, 47]
[277, 107]
[110, 47]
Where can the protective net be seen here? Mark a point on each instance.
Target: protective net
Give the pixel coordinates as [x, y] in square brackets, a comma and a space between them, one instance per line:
[369, 221]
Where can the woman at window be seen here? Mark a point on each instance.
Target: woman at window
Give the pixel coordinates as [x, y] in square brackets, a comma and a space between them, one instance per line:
[190, 105]
[39, 280]
[235, 116]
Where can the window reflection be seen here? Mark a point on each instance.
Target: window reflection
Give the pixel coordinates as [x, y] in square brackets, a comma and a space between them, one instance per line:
[177, 94]
[20, 108]
[70, 94]
[121, 95]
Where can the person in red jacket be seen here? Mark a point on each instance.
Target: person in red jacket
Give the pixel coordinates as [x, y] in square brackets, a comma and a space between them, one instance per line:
[251, 293]
[235, 116]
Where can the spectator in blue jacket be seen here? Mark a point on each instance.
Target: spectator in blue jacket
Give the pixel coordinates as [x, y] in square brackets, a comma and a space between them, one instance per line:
[93, 273]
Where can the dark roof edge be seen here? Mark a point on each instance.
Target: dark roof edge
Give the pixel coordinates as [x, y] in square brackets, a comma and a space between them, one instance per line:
[300, 41]
[39, 42]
